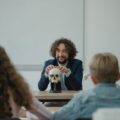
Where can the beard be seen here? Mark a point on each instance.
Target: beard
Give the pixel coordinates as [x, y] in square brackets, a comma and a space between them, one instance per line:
[62, 62]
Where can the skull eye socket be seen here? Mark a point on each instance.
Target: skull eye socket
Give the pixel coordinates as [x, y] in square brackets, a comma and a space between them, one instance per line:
[51, 75]
[56, 75]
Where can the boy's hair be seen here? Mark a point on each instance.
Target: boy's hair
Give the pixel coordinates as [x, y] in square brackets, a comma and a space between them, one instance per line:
[104, 67]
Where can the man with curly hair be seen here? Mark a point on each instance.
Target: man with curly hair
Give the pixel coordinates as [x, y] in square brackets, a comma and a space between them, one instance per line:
[63, 52]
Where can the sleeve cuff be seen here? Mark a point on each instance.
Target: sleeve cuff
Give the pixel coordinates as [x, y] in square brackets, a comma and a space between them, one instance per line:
[46, 75]
[68, 74]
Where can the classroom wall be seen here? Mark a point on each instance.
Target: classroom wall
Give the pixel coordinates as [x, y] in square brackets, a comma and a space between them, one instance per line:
[102, 30]
[29, 27]
[101, 33]
[102, 27]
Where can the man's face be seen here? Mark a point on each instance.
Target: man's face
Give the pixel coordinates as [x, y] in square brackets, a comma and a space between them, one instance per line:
[61, 54]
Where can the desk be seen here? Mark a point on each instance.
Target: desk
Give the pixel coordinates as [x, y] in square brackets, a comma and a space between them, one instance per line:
[45, 96]
[53, 109]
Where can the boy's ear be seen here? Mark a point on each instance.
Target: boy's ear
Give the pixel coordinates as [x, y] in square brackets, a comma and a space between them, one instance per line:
[94, 80]
[118, 76]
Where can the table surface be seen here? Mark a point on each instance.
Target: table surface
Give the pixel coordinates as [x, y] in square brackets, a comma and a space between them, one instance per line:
[53, 109]
[46, 95]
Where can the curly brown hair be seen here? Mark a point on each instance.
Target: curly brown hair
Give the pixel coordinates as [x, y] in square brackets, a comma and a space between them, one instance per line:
[10, 79]
[70, 46]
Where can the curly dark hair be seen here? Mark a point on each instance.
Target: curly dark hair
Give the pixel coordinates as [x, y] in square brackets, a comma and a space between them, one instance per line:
[70, 46]
[11, 80]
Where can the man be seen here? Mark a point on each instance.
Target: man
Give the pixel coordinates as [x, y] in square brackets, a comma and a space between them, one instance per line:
[104, 71]
[63, 51]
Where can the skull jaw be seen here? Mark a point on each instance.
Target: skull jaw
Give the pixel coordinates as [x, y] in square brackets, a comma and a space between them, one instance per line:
[56, 87]
[54, 80]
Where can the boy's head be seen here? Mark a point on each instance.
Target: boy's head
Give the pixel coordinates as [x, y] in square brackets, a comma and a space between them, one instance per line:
[104, 68]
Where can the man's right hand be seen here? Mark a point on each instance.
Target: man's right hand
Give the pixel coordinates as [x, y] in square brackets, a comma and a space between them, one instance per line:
[48, 68]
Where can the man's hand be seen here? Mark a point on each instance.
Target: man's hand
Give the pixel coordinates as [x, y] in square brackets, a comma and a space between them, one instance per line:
[48, 68]
[63, 69]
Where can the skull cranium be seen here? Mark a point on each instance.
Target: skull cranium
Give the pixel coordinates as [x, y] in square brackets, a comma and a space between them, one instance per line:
[54, 75]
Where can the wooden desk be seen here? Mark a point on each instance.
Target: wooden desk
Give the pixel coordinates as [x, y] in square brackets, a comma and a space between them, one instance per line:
[48, 96]
[53, 109]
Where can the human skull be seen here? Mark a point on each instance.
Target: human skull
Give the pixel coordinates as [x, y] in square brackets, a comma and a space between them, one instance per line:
[54, 75]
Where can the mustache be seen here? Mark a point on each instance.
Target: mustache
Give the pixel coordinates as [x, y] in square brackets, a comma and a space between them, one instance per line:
[61, 57]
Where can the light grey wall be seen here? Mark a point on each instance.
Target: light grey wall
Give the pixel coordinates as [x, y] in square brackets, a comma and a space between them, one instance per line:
[100, 30]
[102, 27]
[28, 28]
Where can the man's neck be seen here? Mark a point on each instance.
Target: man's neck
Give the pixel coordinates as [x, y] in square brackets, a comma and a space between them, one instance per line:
[62, 64]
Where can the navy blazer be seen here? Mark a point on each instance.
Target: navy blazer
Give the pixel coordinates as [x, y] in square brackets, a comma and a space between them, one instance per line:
[73, 82]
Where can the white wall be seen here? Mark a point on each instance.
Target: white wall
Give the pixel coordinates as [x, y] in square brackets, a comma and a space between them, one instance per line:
[28, 28]
[102, 30]
[32, 77]
[102, 27]
[101, 33]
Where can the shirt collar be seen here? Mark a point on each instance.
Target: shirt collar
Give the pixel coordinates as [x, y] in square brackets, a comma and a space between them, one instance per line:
[62, 65]
[105, 85]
